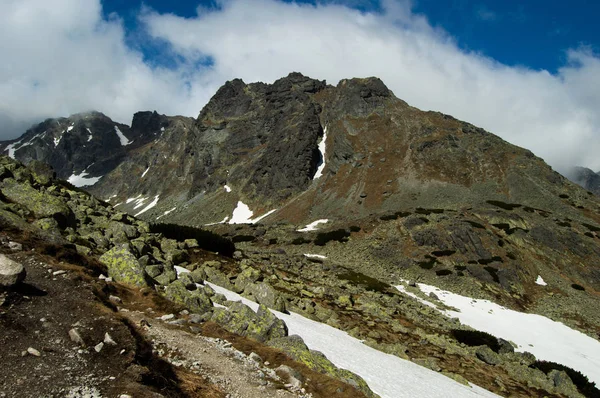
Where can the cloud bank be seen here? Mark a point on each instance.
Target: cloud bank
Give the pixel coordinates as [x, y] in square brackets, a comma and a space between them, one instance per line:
[66, 58]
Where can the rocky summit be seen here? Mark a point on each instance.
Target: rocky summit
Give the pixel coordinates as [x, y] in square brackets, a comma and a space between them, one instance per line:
[340, 205]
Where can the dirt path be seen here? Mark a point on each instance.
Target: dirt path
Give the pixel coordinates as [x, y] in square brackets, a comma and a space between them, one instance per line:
[232, 371]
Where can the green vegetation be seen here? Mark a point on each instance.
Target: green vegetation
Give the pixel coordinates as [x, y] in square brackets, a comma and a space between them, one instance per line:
[206, 240]
[420, 210]
[475, 224]
[300, 241]
[443, 272]
[443, 253]
[577, 287]
[475, 338]
[493, 272]
[591, 227]
[585, 387]
[339, 235]
[395, 216]
[428, 263]
[504, 205]
[369, 283]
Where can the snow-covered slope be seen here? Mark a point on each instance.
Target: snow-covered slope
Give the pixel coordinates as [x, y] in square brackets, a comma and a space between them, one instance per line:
[543, 337]
[387, 375]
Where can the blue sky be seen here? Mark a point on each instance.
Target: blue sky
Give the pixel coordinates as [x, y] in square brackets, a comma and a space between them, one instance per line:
[533, 33]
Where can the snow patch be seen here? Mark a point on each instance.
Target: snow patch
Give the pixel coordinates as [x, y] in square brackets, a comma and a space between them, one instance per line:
[57, 140]
[241, 214]
[308, 255]
[387, 375]
[129, 200]
[150, 205]
[180, 270]
[12, 148]
[122, 138]
[227, 188]
[220, 222]
[82, 180]
[145, 171]
[90, 136]
[321, 167]
[540, 281]
[313, 225]
[165, 213]
[546, 339]
[70, 128]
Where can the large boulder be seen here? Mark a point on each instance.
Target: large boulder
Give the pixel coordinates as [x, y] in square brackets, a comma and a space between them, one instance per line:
[41, 204]
[123, 266]
[263, 293]
[194, 300]
[240, 319]
[11, 272]
[41, 172]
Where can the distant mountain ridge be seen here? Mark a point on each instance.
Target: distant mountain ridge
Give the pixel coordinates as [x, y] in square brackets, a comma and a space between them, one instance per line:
[587, 179]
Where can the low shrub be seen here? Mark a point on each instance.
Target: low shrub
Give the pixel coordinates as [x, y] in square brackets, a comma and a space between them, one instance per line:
[577, 287]
[585, 387]
[338, 235]
[206, 240]
[475, 338]
[443, 272]
[504, 205]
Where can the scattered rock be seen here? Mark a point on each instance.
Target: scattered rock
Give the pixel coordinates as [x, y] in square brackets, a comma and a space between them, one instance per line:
[11, 272]
[76, 337]
[98, 347]
[34, 352]
[485, 354]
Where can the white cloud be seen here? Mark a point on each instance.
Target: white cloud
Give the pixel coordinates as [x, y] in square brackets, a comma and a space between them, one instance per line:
[81, 61]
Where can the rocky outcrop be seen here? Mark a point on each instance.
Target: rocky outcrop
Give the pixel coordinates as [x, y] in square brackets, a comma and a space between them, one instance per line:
[587, 179]
[238, 318]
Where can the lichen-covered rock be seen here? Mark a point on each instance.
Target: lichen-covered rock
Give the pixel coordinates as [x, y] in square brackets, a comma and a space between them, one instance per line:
[295, 347]
[123, 266]
[195, 301]
[485, 354]
[11, 272]
[41, 172]
[41, 204]
[263, 293]
[218, 278]
[47, 224]
[240, 319]
[248, 276]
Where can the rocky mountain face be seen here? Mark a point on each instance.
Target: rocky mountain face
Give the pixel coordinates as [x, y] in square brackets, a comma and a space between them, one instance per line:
[96, 254]
[85, 146]
[587, 179]
[393, 194]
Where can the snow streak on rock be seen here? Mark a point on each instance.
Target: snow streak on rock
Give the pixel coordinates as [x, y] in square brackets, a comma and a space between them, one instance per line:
[313, 225]
[321, 167]
[82, 180]
[242, 213]
[227, 188]
[540, 281]
[145, 171]
[151, 205]
[122, 138]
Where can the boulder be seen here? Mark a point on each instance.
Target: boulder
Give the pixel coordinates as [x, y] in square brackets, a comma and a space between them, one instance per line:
[41, 204]
[123, 266]
[11, 272]
[41, 172]
[195, 301]
[248, 276]
[263, 293]
[240, 319]
[485, 354]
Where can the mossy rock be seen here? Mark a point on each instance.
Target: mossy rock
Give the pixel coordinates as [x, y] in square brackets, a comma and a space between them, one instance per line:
[195, 301]
[240, 319]
[248, 276]
[166, 277]
[263, 293]
[123, 266]
[47, 224]
[41, 204]
[294, 347]
[41, 172]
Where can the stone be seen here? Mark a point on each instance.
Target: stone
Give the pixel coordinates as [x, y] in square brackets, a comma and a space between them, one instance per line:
[255, 357]
[98, 347]
[240, 319]
[15, 246]
[294, 378]
[41, 172]
[265, 294]
[41, 204]
[11, 272]
[108, 339]
[485, 354]
[195, 301]
[123, 266]
[248, 276]
[34, 352]
[505, 347]
[76, 337]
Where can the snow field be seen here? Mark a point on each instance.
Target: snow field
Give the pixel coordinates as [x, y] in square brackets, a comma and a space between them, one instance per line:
[387, 375]
[313, 225]
[546, 339]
